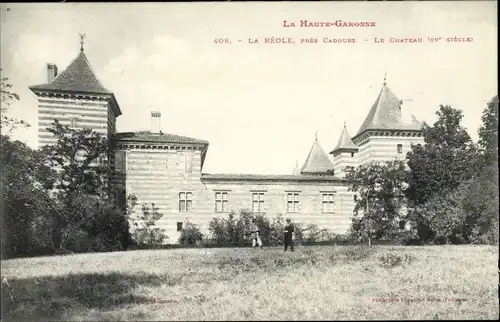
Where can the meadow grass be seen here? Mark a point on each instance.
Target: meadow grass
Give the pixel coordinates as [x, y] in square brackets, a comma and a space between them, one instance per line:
[314, 283]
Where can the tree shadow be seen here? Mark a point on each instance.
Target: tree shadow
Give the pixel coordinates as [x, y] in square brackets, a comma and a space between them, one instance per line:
[49, 297]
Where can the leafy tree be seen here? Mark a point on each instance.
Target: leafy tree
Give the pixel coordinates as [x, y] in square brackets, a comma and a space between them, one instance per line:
[144, 230]
[488, 132]
[380, 190]
[8, 97]
[81, 172]
[23, 198]
[482, 201]
[445, 216]
[447, 159]
[482, 206]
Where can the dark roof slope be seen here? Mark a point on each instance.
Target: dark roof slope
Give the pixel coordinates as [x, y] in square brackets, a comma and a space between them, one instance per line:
[77, 77]
[317, 160]
[345, 142]
[385, 114]
[148, 137]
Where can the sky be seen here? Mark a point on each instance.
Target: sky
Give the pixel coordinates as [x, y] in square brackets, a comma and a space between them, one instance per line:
[259, 105]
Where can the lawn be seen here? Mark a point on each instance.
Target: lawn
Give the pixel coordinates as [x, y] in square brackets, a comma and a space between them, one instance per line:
[314, 283]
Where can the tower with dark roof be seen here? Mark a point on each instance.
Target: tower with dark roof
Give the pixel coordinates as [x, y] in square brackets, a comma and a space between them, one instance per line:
[75, 97]
[344, 153]
[385, 135]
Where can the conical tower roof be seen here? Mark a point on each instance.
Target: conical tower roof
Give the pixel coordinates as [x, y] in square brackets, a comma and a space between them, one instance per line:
[385, 114]
[317, 160]
[77, 77]
[345, 143]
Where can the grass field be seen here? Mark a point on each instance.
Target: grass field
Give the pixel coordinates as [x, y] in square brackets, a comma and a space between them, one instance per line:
[314, 283]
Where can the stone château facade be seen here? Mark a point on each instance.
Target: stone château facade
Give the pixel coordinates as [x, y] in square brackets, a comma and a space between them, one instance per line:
[167, 169]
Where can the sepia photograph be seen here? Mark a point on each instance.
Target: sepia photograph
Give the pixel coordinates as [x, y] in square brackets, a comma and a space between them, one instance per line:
[218, 161]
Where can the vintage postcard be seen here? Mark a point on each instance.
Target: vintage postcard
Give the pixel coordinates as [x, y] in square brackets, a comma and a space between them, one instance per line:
[332, 160]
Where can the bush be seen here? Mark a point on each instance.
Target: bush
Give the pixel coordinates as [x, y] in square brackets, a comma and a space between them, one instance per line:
[144, 231]
[445, 217]
[79, 242]
[107, 230]
[393, 259]
[190, 234]
[235, 231]
[357, 253]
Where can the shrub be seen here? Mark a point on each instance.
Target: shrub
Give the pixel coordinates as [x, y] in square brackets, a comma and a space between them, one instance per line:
[235, 230]
[144, 231]
[190, 234]
[445, 216]
[393, 259]
[357, 253]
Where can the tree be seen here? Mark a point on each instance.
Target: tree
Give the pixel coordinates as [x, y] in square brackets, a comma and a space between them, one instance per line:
[23, 199]
[482, 206]
[8, 97]
[145, 231]
[380, 190]
[482, 201]
[79, 158]
[448, 157]
[488, 132]
[444, 216]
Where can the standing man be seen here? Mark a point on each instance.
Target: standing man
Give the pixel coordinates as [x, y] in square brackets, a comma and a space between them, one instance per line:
[255, 234]
[289, 235]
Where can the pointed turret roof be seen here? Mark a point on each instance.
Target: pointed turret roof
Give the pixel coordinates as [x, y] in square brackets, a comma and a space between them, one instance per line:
[385, 114]
[317, 160]
[77, 77]
[345, 143]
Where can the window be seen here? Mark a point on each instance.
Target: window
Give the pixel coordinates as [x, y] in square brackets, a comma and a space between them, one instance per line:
[73, 122]
[258, 202]
[185, 201]
[355, 197]
[352, 154]
[179, 226]
[221, 201]
[292, 202]
[327, 203]
[400, 148]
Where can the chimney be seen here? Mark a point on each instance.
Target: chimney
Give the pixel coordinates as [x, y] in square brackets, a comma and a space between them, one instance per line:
[155, 122]
[406, 111]
[51, 72]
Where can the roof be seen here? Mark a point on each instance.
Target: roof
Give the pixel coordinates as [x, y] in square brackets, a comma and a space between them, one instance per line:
[269, 177]
[345, 142]
[77, 77]
[317, 160]
[385, 114]
[148, 137]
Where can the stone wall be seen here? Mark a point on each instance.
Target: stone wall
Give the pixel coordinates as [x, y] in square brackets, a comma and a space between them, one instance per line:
[82, 113]
[163, 177]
